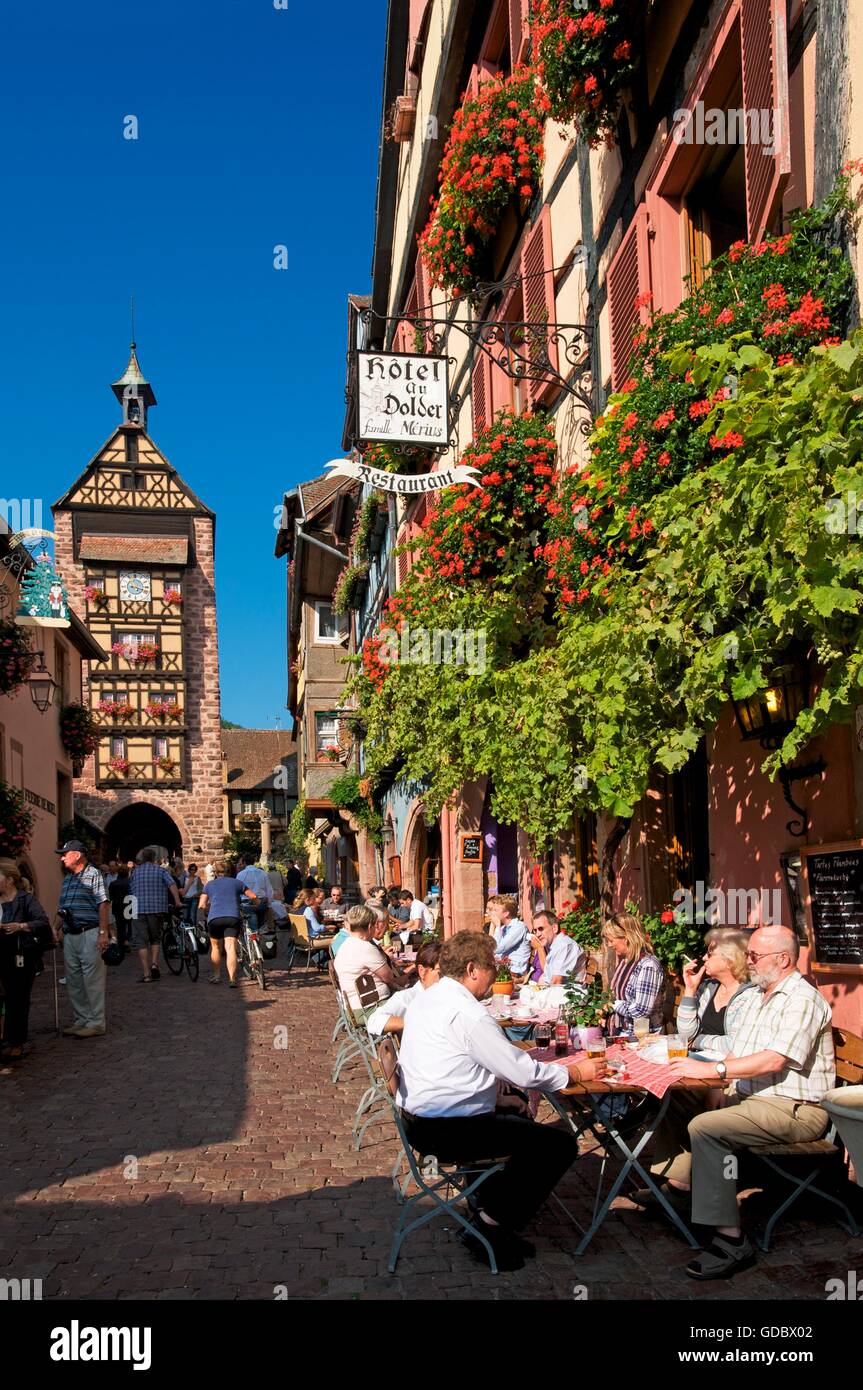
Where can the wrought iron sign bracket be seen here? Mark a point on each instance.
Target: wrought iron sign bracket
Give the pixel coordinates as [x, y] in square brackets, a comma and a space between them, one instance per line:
[550, 354]
[787, 777]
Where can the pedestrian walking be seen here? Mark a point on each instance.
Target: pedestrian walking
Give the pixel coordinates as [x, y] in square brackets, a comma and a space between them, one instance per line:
[220, 900]
[83, 919]
[25, 934]
[153, 890]
[118, 896]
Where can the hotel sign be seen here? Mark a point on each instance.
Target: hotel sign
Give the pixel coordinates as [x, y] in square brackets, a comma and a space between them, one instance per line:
[403, 399]
[33, 799]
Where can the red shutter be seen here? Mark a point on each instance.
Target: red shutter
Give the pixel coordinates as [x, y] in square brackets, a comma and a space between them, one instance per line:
[473, 81]
[764, 47]
[537, 278]
[628, 277]
[480, 394]
[422, 295]
[519, 33]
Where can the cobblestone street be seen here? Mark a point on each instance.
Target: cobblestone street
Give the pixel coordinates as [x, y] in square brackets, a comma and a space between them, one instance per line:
[247, 1178]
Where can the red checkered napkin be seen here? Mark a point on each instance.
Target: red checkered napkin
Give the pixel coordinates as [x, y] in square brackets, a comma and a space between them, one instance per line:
[653, 1076]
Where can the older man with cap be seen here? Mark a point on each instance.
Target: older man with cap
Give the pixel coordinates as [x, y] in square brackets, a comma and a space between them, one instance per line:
[781, 1064]
[84, 918]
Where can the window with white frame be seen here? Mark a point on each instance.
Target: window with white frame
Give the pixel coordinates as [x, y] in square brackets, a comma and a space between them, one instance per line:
[329, 625]
[326, 732]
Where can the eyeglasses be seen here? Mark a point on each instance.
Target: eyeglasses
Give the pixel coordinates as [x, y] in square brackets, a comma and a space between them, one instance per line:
[754, 955]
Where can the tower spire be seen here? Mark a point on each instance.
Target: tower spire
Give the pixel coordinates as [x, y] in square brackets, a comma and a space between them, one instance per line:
[133, 390]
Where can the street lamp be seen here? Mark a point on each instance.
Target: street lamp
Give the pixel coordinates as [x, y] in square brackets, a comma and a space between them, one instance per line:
[42, 684]
[769, 717]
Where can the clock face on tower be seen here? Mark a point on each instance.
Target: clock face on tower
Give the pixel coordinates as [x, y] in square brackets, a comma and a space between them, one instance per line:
[135, 587]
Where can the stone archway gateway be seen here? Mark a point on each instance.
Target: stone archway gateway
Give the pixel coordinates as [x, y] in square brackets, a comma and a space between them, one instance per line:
[139, 825]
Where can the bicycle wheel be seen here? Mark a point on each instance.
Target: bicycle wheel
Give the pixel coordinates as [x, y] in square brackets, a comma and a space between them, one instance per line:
[172, 950]
[192, 962]
[258, 966]
[243, 959]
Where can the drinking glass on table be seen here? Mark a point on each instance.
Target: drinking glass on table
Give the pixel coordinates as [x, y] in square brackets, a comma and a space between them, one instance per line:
[677, 1046]
[641, 1028]
[542, 1034]
[596, 1049]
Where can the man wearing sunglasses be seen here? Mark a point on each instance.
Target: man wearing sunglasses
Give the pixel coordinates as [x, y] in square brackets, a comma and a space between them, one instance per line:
[781, 1064]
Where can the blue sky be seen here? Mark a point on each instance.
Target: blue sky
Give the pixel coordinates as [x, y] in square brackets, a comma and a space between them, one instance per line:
[256, 127]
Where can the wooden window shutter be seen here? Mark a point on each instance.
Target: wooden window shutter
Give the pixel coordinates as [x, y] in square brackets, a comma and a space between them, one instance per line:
[764, 50]
[480, 394]
[519, 33]
[473, 81]
[537, 278]
[628, 277]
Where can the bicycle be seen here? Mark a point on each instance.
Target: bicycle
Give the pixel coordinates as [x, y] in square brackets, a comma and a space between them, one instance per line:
[249, 957]
[180, 947]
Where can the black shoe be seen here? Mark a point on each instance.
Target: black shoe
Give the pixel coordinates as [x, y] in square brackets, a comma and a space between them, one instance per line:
[154, 973]
[524, 1247]
[506, 1253]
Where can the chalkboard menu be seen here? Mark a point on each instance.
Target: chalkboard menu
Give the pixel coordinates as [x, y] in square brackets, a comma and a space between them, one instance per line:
[471, 849]
[833, 885]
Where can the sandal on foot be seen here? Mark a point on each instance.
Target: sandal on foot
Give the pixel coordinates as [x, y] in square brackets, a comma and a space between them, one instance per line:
[722, 1259]
[146, 980]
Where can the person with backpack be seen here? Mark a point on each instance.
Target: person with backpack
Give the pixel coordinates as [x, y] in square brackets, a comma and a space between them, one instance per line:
[24, 934]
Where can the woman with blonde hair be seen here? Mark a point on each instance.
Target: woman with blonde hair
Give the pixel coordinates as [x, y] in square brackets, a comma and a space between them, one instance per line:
[25, 933]
[714, 991]
[638, 983]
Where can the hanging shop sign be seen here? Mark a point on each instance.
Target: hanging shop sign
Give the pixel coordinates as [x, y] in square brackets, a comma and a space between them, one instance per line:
[403, 399]
[403, 483]
[42, 601]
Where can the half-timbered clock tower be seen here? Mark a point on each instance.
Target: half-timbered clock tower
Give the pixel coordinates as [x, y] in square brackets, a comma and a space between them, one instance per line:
[136, 548]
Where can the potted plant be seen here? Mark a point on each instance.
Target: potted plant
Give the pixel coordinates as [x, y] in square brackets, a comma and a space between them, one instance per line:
[119, 709]
[165, 764]
[331, 753]
[95, 595]
[117, 763]
[173, 596]
[157, 709]
[503, 981]
[173, 710]
[585, 1007]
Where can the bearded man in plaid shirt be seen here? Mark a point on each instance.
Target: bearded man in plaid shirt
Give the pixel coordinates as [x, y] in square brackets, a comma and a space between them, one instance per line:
[781, 1065]
[152, 890]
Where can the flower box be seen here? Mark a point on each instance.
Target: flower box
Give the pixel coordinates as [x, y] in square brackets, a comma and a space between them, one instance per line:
[173, 596]
[332, 753]
[121, 710]
[404, 118]
[164, 764]
[119, 765]
[97, 597]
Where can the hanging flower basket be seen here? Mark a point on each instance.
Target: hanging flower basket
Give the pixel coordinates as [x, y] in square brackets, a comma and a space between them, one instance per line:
[16, 822]
[583, 54]
[79, 734]
[16, 657]
[494, 153]
[119, 765]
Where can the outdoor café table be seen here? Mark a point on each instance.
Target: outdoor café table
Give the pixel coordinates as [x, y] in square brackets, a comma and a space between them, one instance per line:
[585, 1096]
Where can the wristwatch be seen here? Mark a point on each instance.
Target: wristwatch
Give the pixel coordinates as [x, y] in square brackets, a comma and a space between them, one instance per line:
[721, 1070]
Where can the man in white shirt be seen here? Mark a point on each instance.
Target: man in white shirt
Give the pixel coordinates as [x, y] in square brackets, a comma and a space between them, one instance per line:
[561, 958]
[389, 1017]
[252, 877]
[782, 1063]
[452, 1060]
[511, 938]
[421, 917]
[360, 956]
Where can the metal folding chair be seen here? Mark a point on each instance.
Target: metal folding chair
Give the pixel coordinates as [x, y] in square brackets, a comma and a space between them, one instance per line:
[849, 1071]
[304, 942]
[446, 1184]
